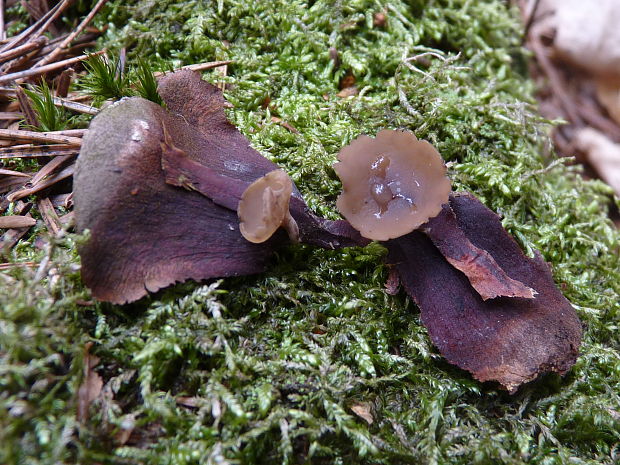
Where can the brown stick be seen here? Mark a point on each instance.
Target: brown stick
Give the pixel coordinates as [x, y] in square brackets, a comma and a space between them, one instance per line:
[4, 172]
[34, 151]
[23, 49]
[49, 168]
[198, 67]
[10, 115]
[44, 69]
[75, 106]
[16, 221]
[8, 266]
[31, 136]
[63, 174]
[64, 82]
[49, 58]
[38, 27]
[2, 30]
[67, 132]
[26, 107]
[49, 215]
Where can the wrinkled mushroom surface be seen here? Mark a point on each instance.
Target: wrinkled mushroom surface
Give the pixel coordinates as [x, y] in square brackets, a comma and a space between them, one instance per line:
[391, 184]
[507, 340]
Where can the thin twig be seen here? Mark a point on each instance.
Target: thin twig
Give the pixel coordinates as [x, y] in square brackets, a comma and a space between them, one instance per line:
[32, 136]
[67, 132]
[2, 30]
[49, 215]
[35, 151]
[44, 69]
[49, 168]
[10, 115]
[53, 17]
[63, 174]
[11, 183]
[8, 266]
[197, 67]
[64, 82]
[49, 58]
[70, 104]
[38, 27]
[16, 221]
[75, 106]
[530, 20]
[26, 107]
[23, 49]
[4, 172]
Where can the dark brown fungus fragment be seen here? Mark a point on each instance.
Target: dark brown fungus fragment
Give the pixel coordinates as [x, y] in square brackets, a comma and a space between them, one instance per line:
[391, 184]
[507, 340]
[483, 272]
[146, 233]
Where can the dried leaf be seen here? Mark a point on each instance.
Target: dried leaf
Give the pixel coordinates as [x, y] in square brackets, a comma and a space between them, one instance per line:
[284, 124]
[507, 340]
[483, 272]
[608, 94]
[587, 36]
[126, 428]
[362, 410]
[348, 92]
[603, 155]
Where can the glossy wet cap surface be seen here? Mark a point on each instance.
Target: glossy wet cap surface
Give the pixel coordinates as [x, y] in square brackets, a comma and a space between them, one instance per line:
[391, 184]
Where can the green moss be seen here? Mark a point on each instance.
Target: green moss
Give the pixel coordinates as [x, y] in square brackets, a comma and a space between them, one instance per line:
[265, 369]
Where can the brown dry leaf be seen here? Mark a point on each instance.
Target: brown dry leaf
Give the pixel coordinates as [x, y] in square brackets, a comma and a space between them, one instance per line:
[128, 424]
[507, 340]
[91, 384]
[284, 124]
[191, 402]
[586, 34]
[348, 92]
[603, 155]
[362, 410]
[608, 94]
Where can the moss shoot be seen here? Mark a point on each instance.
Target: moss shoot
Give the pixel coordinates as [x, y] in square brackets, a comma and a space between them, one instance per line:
[272, 368]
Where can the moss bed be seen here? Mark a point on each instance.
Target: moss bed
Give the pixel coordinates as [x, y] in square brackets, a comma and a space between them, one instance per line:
[271, 368]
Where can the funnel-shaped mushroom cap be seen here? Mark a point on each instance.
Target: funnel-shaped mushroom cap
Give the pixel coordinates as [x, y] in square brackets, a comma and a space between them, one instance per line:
[391, 184]
[264, 206]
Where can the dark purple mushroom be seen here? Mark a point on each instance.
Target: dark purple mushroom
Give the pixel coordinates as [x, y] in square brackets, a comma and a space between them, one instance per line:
[146, 233]
[507, 340]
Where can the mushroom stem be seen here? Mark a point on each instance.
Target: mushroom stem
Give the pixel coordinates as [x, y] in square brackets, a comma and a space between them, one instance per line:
[290, 225]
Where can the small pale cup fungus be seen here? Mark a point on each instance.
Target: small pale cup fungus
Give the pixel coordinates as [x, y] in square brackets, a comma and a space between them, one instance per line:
[391, 184]
[264, 207]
